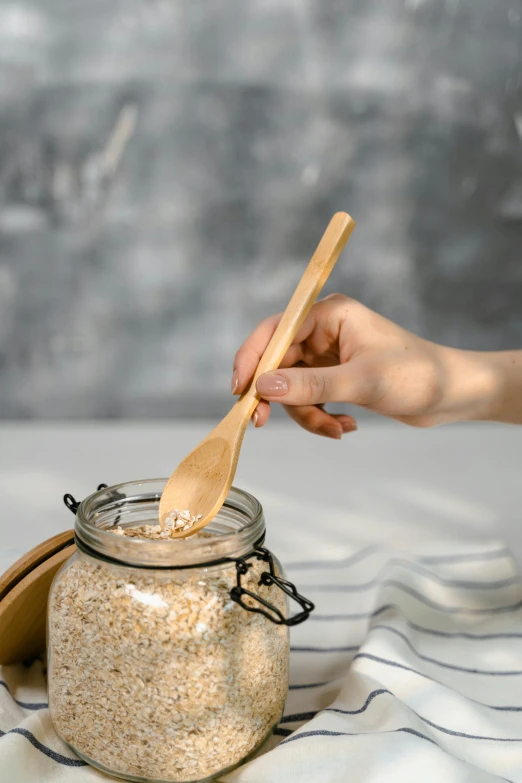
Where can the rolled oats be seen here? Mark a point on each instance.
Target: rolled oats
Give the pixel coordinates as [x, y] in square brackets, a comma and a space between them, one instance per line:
[177, 520]
[159, 674]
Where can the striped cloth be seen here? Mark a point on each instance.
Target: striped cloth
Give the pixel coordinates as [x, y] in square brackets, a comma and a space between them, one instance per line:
[410, 666]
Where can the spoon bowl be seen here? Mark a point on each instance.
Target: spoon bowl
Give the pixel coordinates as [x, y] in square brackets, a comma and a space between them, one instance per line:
[203, 479]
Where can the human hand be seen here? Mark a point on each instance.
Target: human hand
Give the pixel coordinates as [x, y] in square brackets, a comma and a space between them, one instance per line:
[345, 352]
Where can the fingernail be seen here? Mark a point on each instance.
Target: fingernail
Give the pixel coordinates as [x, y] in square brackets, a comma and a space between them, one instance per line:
[272, 385]
[255, 418]
[349, 426]
[329, 431]
[235, 382]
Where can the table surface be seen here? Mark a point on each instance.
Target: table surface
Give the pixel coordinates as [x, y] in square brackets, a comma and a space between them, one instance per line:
[387, 482]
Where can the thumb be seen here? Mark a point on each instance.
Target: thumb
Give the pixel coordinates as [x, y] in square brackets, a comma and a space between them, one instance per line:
[305, 386]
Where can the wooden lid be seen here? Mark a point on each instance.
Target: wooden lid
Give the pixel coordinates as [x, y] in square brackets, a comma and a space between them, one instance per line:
[32, 559]
[24, 592]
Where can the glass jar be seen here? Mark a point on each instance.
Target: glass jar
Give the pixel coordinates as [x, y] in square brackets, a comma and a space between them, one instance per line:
[168, 659]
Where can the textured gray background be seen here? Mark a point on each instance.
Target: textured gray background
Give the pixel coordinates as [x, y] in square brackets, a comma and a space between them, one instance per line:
[167, 167]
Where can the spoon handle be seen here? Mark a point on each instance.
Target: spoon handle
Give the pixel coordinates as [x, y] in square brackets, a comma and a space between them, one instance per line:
[315, 276]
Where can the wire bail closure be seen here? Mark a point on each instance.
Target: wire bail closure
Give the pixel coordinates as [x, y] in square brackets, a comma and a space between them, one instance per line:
[268, 578]
[72, 504]
[237, 593]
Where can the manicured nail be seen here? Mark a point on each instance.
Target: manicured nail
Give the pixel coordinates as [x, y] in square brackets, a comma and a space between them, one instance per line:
[272, 385]
[349, 426]
[255, 418]
[235, 382]
[329, 431]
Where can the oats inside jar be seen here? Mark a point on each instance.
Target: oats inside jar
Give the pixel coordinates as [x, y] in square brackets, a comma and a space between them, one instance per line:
[157, 673]
[175, 522]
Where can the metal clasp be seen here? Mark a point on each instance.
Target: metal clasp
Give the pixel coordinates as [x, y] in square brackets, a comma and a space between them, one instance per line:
[237, 593]
[269, 578]
[73, 504]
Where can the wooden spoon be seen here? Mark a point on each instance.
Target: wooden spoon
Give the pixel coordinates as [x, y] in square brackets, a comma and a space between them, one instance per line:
[201, 482]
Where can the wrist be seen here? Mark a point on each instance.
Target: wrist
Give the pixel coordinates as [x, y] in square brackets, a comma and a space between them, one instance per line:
[473, 385]
[506, 405]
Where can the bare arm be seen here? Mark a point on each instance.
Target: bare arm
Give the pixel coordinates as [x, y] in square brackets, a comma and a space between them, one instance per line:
[506, 405]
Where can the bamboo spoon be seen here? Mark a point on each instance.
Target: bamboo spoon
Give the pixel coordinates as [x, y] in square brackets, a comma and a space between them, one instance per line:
[201, 482]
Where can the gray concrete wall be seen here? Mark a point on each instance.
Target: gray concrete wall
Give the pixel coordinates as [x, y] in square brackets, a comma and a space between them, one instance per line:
[167, 168]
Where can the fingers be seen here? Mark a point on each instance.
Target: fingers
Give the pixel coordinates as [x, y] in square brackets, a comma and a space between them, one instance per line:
[248, 356]
[328, 311]
[261, 414]
[303, 386]
[311, 418]
[347, 423]
[317, 421]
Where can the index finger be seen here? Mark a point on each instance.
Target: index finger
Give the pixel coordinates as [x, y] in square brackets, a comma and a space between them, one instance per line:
[248, 356]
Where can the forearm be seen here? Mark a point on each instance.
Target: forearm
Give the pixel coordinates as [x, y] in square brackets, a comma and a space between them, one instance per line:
[484, 386]
[507, 405]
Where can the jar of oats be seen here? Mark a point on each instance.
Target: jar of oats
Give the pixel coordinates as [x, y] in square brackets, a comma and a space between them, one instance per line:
[168, 658]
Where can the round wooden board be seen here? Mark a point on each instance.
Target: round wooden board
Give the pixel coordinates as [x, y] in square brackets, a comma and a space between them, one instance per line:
[42, 552]
[23, 611]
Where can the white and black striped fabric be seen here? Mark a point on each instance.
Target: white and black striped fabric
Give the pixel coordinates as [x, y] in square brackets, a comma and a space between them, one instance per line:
[410, 666]
[409, 669]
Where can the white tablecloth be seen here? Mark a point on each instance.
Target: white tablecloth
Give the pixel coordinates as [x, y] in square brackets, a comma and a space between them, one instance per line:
[411, 664]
